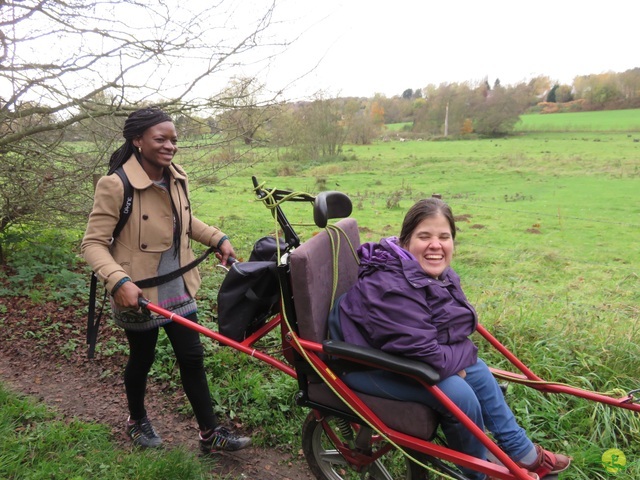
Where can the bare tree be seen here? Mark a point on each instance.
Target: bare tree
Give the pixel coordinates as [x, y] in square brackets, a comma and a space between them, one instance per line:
[70, 68]
[363, 120]
[323, 131]
[244, 114]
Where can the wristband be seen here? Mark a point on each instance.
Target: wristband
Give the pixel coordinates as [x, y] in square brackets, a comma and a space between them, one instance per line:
[222, 240]
[117, 286]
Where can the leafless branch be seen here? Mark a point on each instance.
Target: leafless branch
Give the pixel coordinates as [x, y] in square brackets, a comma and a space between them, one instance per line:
[70, 68]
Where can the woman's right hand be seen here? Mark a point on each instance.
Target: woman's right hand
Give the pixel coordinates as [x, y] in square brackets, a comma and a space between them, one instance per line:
[226, 253]
[127, 295]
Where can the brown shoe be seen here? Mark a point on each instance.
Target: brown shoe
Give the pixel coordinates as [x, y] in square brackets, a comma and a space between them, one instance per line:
[547, 463]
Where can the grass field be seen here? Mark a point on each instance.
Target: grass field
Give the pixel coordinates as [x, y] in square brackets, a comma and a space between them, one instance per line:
[615, 120]
[547, 249]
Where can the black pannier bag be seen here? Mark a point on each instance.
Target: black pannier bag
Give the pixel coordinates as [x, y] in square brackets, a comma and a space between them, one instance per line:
[265, 250]
[250, 292]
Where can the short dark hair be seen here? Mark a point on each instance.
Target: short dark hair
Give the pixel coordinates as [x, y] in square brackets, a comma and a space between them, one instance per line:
[425, 208]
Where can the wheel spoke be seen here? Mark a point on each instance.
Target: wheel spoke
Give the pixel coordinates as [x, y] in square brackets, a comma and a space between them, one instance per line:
[323, 442]
[377, 471]
[332, 457]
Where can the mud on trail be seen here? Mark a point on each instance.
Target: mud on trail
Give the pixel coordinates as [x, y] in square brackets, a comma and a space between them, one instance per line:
[93, 391]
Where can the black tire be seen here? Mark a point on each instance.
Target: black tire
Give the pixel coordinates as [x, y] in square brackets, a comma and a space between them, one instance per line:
[326, 463]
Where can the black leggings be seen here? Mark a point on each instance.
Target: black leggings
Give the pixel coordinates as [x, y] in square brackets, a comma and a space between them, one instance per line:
[190, 356]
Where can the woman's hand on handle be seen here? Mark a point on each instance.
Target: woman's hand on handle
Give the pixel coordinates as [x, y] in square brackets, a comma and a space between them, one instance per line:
[143, 302]
[226, 254]
[127, 296]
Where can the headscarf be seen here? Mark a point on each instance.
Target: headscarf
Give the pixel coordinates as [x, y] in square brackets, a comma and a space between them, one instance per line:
[135, 125]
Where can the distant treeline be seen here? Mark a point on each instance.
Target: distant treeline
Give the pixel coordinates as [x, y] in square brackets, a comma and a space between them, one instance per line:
[483, 108]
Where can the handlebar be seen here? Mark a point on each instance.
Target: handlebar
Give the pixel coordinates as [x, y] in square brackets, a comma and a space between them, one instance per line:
[290, 236]
[326, 205]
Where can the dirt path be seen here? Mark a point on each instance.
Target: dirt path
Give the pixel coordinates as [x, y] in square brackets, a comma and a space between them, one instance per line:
[90, 391]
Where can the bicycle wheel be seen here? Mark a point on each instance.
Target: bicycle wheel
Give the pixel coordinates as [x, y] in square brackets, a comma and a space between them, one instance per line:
[328, 446]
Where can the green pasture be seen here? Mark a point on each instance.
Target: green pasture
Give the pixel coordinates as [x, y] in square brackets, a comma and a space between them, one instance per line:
[603, 121]
[568, 194]
[554, 217]
[548, 222]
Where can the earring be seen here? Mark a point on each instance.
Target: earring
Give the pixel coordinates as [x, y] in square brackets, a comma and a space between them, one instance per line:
[139, 149]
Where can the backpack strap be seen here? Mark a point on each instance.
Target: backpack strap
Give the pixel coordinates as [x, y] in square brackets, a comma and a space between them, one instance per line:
[127, 202]
[93, 320]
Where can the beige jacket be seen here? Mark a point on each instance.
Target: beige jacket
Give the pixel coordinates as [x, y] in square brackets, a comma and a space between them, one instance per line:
[148, 232]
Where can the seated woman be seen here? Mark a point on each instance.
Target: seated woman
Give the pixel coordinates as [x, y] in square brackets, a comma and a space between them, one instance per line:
[408, 301]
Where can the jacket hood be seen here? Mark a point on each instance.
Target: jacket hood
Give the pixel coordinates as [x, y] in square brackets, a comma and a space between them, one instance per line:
[387, 255]
[378, 256]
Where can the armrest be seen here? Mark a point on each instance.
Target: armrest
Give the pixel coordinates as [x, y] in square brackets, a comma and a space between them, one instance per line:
[378, 358]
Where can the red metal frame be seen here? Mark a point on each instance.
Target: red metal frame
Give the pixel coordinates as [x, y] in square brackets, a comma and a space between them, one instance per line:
[530, 379]
[310, 350]
[246, 346]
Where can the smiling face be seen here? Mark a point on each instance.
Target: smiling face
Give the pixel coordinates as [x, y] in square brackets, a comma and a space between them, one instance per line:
[431, 242]
[158, 145]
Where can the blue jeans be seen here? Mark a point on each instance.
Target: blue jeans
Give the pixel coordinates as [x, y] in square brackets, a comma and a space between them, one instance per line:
[478, 395]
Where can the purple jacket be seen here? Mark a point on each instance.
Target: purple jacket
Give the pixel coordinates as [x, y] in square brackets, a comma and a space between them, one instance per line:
[396, 307]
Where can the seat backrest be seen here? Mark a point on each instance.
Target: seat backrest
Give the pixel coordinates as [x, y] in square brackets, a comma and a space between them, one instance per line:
[312, 276]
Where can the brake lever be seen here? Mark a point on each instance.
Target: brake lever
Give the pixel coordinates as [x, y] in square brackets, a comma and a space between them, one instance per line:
[230, 262]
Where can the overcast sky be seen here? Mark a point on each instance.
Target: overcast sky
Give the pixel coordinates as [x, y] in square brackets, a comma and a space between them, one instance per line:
[363, 47]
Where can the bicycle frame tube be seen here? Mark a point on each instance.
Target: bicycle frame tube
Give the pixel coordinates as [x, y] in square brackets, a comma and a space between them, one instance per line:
[531, 380]
[245, 346]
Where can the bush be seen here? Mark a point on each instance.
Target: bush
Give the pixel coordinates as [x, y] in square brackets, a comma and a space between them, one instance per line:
[50, 263]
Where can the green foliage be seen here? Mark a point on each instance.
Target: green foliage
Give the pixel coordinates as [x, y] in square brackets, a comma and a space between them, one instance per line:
[397, 127]
[111, 341]
[44, 267]
[493, 112]
[259, 400]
